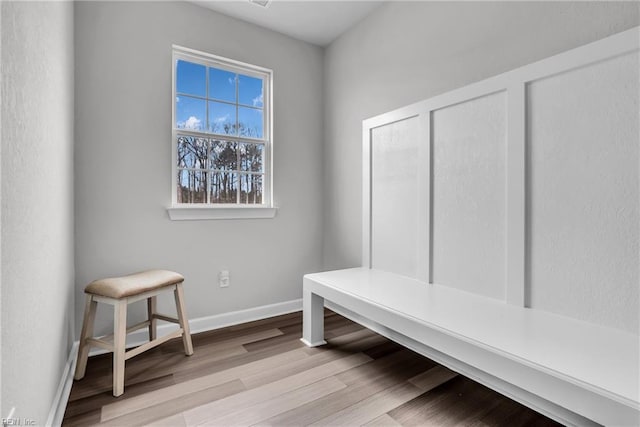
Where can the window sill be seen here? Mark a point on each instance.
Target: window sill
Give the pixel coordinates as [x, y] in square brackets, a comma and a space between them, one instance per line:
[196, 213]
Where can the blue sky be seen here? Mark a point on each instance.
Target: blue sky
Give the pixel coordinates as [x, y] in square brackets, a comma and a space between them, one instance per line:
[191, 112]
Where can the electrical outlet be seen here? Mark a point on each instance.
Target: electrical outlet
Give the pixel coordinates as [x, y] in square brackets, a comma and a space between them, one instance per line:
[223, 278]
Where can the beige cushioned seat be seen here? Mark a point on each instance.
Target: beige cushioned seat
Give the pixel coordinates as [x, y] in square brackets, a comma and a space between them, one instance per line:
[133, 284]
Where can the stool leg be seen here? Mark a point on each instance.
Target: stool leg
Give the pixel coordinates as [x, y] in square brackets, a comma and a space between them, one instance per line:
[184, 321]
[151, 310]
[119, 341]
[87, 332]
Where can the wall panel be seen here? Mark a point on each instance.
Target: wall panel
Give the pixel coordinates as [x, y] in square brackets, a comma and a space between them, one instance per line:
[396, 194]
[583, 157]
[468, 200]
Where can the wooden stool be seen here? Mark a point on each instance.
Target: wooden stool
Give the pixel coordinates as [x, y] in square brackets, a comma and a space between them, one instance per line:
[120, 291]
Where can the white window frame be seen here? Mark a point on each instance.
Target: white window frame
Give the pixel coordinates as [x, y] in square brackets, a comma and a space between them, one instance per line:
[200, 211]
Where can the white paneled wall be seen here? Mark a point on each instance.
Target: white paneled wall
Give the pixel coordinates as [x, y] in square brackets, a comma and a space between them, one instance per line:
[523, 187]
[394, 205]
[469, 195]
[583, 191]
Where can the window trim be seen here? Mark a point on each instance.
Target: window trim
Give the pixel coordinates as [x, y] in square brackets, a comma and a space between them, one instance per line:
[185, 211]
[202, 211]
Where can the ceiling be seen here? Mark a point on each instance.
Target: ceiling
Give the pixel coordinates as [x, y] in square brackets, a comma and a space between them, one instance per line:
[317, 22]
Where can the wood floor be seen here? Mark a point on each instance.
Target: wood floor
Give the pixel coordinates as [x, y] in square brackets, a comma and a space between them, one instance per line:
[260, 373]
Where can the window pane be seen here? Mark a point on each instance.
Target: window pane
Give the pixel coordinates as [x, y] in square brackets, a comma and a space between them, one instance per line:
[192, 152]
[222, 85]
[250, 122]
[224, 187]
[222, 118]
[191, 78]
[224, 156]
[190, 113]
[250, 91]
[251, 157]
[192, 186]
[251, 188]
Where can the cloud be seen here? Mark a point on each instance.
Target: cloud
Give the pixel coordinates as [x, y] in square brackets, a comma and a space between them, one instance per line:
[258, 100]
[232, 80]
[177, 99]
[192, 123]
[221, 119]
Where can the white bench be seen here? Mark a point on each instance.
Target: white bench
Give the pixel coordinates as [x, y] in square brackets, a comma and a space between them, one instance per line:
[574, 372]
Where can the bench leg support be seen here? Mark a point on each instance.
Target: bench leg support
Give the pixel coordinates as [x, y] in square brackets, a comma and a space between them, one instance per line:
[153, 323]
[312, 319]
[184, 321]
[87, 332]
[119, 342]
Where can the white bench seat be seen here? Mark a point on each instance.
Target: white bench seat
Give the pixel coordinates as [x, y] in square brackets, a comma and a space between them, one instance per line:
[575, 372]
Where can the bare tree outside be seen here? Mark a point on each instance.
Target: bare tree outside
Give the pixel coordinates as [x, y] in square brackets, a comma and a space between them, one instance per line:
[234, 170]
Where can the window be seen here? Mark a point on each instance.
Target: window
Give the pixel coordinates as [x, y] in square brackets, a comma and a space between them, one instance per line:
[221, 134]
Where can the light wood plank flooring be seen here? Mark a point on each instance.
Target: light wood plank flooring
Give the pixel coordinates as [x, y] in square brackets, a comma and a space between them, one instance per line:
[259, 373]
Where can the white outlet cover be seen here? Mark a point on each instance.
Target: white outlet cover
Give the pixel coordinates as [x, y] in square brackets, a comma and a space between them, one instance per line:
[223, 278]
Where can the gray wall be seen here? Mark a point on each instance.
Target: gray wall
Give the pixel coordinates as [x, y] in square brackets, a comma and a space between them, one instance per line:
[409, 51]
[123, 159]
[37, 203]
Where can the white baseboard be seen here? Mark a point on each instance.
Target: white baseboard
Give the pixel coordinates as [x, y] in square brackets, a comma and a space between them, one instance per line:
[136, 338]
[209, 323]
[59, 405]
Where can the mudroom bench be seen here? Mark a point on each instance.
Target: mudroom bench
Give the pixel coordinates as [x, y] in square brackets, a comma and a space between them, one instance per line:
[575, 372]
